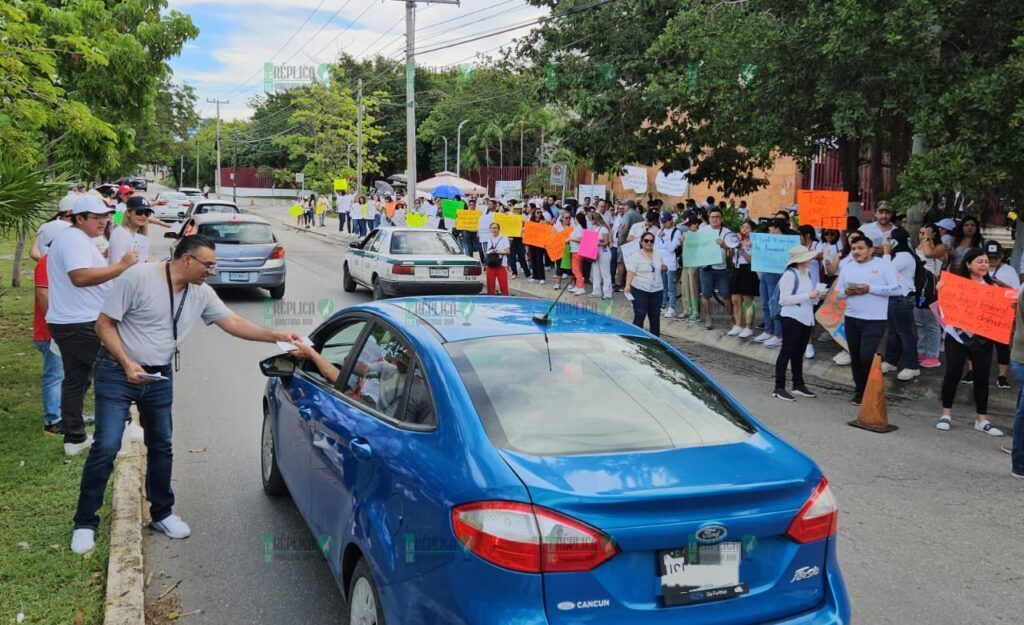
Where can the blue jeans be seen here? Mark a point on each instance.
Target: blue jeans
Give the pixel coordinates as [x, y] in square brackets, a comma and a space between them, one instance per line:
[668, 284]
[900, 349]
[114, 394]
[1017, 457]
[767, 287]
[712, 280]
[53, 376]
[376, 221]
[929, 334]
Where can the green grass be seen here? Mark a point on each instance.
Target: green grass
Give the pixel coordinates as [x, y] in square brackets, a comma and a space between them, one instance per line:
[39, 575]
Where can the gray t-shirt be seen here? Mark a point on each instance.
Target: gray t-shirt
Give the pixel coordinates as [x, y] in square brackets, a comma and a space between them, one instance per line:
[139, 303]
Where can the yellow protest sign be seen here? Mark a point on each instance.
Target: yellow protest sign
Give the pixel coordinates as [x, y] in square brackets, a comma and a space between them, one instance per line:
[467, 219]
[340, 184]
[415, 220]
[511, 224]
[295, 210]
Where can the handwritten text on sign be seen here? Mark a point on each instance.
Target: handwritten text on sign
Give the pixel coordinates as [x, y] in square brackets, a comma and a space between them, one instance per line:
[823, 209]
[977, 307]
[556, 243]
[511, 224]
[537, 233]
[770, 252]
[467, 219]
[832, 316]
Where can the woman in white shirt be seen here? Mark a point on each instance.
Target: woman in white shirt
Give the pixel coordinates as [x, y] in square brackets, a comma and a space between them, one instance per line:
[797, 296]
[578, 227]
[133, 233]
[496, 249]
[745, 285]
[901, 349]
[601, 269]
[667, 241]
[564, 221]
[643, 284]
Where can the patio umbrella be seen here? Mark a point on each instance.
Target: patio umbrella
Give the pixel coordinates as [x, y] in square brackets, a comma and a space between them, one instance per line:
[465, 187]
[446, 191]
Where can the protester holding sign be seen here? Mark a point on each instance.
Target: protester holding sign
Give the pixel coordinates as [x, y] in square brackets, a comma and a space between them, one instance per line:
[715, 277]
[1002, 275]
[690, 277]
[643, 284]
[744, 285]
[538, 255]
[578, 228]
[344, 208]
[515, 237]
[798, 293]
[932, 253]
[564, 224]
[963, 346]
[601, 268]
[768, 291]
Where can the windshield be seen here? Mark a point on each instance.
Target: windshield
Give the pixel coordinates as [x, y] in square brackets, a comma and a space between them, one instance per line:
[245, 233]
[603, 393]
[428, 243]
[216, 208]
[172, 196]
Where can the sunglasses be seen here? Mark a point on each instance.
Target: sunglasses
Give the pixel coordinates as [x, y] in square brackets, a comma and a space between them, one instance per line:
[647, 240]
[144, 212]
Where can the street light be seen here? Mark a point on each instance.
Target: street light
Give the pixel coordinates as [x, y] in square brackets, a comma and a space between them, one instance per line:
[458, 148]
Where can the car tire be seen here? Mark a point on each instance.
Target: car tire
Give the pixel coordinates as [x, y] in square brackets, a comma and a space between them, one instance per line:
[273, 483]
[347, 282]
[363, 603]
[277, 292]
[378, 290]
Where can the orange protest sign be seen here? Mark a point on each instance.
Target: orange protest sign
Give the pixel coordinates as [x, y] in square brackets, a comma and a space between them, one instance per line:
[977, 307]
[556, 243]
[823, 209]
[389, 208]
[536, 233]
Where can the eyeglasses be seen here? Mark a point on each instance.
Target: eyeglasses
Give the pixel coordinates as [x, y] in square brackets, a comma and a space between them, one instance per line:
[210, 266]
[647, 240]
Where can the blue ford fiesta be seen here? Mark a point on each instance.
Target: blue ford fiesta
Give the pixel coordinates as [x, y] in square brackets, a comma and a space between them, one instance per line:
[471, 460]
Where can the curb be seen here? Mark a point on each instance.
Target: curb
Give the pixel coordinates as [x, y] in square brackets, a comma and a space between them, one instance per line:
[125, 600]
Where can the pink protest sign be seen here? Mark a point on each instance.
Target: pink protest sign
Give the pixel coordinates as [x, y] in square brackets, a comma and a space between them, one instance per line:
[588, 244]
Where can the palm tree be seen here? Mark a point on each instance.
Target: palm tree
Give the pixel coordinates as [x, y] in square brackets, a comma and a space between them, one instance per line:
[27, 194]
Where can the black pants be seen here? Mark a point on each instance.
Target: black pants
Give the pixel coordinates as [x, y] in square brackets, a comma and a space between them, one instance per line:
[517, 257]
[78, 345]
[979, 352]
[1002, 354]
[863, 337]
[794, 341]
[647, 304]
[537, 258]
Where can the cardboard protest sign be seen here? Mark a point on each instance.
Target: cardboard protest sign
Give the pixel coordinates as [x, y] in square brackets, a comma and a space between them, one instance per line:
[415, 220]
[770, 252]
[537, 233]
[588, 245]
[511, 224]
[700, 249]
[556, 243]
[467, 219]
[977, 307]
[295, 210]
[449, 208]
[340, 184]
[832, 316]
[628, 249]
[823, 209]
[389, 209]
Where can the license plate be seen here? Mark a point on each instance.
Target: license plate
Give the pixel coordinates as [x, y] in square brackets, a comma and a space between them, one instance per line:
[438, 272]
[701, 573]
[238, 276]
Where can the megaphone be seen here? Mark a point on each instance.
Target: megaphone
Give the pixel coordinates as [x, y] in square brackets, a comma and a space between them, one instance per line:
[731, 240]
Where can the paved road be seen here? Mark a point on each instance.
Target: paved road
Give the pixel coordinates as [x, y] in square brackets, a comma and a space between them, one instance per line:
[929, 533]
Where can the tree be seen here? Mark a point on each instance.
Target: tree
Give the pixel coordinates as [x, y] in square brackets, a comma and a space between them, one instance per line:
[165, 140]
[27, 193]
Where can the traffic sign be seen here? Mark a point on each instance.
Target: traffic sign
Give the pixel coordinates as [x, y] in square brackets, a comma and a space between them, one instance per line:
[558, 174]
[300, 178]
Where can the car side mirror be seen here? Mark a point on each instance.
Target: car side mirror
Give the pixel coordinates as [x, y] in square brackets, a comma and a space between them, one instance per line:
[170, 235]
[181, 215]
[279, 366]
[355, 245]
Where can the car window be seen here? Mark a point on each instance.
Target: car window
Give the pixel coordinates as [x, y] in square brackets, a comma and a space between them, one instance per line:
[419, 405]
[237, 233]
[378, 376]
[216, 208]
[430, 243]
[603, 393]
[336, 346]
[378, 242]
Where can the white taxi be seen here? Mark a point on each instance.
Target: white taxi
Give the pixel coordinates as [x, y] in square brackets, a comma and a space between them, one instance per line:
[411, 261]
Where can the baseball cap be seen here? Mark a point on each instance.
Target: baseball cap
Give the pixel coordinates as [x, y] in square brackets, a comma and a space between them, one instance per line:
[993, 249]
[666, 216]
[49, 231]
[125, 189]
[946, 224]
[884, 205]
[137, 202]
[90, 203]
[630, 204]
[66, 203]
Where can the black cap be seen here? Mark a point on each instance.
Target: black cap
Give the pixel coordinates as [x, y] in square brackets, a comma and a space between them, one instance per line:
[993, 249]
[137, 202]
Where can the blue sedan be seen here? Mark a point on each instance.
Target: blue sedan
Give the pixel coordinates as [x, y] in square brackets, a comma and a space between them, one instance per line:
[471, 460]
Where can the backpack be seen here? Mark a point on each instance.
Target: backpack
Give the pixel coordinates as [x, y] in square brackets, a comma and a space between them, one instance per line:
[925, 291]
[776, 310]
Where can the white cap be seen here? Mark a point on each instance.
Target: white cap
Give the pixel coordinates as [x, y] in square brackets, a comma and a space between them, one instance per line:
[946, 224]
[49, 231]
[90, 203]
[67, 203]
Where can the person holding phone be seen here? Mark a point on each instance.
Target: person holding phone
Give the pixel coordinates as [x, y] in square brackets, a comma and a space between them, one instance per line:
[798, 292]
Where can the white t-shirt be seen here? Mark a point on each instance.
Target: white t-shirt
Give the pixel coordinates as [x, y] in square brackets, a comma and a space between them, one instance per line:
[121, 241]
[905, 266]
[1006, 275]
[873, 232]
[71, 250]
[639, 228]
[798, 305]
[667, 242]
[483, 226]
[601, 234]
[577, 231]
[883, 282]
[646, 273]
[497, 243]
[344, 203]
[616, 226]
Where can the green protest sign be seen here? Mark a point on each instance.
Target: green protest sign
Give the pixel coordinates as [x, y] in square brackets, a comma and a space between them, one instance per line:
[449, 208]
[700, 249]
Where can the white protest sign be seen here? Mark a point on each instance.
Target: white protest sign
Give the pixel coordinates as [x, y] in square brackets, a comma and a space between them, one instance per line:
[674, 183]
[634, 178]
[505, 190]
[594, 191]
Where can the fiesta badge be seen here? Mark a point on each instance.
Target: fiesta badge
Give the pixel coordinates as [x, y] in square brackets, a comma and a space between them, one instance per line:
[710, 534]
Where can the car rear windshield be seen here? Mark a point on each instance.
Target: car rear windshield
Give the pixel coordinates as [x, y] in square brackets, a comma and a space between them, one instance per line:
[428, 243]
[173, 196]
[591, 393]
[243, 233]
[216, 208]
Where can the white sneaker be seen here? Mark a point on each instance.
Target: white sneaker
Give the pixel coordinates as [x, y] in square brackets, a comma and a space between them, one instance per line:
[541, 282]
[809, 352]
[578, 291]
[908, 374]
[773, 342]
[761, 338]
[745, 333]
[135, 433]
[887, 368]
[842, 359]
[735, 331]
[173, 527]
[83, 540]
[986, 427]
[557, 286]
[73, 449]
[943, 424]
[532, 281]
[669, 313]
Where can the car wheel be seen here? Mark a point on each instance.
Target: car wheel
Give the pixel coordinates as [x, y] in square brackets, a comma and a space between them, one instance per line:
[363, 599]
[277, 292]
[347, 282]
[273, 483]
[378, 290]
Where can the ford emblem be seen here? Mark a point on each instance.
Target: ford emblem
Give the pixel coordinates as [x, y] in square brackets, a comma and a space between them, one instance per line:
[711, 534]
[566, 605]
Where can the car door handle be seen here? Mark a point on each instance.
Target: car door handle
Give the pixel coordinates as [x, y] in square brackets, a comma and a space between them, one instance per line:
[360, 448]
[306, 413]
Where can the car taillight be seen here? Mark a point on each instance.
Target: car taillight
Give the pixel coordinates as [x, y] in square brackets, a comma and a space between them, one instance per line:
[472, 271]
[278, 252]
[817, 518]
[530, 539]
[403, 270]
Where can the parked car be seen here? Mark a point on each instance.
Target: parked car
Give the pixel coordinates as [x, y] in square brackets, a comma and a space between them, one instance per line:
[140, 184]
[410, 261]
[202, 206]
[176, 207]
[249, 254]
[191, 191]
[631, 489]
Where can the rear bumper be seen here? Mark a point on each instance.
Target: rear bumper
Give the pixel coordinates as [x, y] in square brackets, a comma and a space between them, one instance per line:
[396, 288]
[260, 278]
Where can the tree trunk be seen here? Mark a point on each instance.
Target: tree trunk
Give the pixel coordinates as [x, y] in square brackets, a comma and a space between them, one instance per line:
[877, 175]
[19, 253]
[501, 152]
[520, 145]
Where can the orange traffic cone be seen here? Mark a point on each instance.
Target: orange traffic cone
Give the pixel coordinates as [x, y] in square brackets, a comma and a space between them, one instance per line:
[873, 413]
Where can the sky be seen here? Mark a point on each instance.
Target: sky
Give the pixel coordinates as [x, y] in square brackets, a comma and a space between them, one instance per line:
[236, 38]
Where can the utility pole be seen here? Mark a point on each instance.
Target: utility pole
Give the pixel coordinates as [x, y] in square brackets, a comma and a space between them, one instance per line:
[216, 183]
[410, 92]
[359, 138]
[234, 170]
[445, 153]
[181, 177]
[197, 163]
[458, 148]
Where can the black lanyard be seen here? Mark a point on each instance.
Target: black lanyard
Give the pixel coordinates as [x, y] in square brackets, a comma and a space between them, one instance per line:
[174, 315]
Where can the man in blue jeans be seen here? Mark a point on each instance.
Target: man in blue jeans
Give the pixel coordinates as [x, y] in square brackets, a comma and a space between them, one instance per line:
[715, 277]
[1017, 368]
[144, 319]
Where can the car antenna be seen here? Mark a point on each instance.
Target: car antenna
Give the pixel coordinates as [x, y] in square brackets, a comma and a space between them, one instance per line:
[545, 319]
